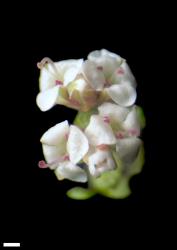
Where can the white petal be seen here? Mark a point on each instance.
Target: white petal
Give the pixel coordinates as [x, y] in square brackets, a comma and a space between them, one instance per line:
[56, 71]
[70, 75]
[64, 65]
[128, 75]
[47, 99]
[97, 55]
[128, 149]
[131, 122]
[80, 85]
[123, 74]
[68, 170]
[53, 154]
[69, 69]
[108, 60]
[113, 111]
[46, 79]
[77, 145]
[94, 76]
[100, 162]
[123, 94]
[56, 136]
[98, 132]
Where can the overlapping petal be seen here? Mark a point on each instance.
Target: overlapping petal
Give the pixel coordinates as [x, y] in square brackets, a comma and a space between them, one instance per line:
[52, 77]
[123, 94]
[107, 60]
[68, 170]
[63, 147]
[98, 132]
[77, 145]
[56, 135]
[99, 162]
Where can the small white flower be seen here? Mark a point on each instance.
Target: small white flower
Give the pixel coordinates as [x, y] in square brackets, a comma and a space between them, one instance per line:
[100, 161]
[106, 60]
[108, 72]
[114, 125]
[124, 121]
[100, 137]
[53, 78]
[63, 147]
[125, 124]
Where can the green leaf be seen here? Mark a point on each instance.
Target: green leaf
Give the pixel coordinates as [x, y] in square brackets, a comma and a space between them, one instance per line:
[141, 116]
[79, 193]
[82, 118]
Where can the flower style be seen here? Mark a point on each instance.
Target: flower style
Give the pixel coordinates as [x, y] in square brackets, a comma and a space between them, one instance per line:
[109, 73]
[63, 147]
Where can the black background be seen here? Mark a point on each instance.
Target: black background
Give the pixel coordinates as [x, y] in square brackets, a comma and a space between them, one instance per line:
[35, 209]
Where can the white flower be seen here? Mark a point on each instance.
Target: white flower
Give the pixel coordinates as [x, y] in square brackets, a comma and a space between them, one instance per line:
[54, 78]
[123, 121]
[126, 126]
[100, 137]
[108, 61]
[63, 147]
[113, 126]
[108, 72]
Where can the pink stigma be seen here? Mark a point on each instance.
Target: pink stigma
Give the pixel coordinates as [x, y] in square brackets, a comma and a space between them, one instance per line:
[120, 71]
[119, 135]
[42, 164]
[58, 82]
[106, 119]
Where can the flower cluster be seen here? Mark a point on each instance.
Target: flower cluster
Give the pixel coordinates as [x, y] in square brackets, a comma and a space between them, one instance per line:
[102, 147]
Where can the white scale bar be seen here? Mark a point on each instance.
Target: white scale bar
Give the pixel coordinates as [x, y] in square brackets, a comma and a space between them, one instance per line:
[11, 244]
